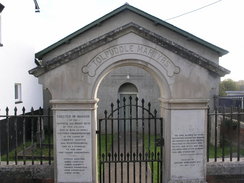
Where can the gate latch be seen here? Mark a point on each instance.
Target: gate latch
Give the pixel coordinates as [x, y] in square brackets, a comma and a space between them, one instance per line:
[159, 142]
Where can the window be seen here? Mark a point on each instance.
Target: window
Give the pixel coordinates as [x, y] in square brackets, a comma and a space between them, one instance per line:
[128, 88]
[1, 9]
[17, 93]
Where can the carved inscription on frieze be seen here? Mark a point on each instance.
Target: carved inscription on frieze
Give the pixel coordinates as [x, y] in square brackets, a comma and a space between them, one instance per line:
[130, 48]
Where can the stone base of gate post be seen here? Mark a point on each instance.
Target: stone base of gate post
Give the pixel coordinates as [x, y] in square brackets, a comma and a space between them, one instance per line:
[74, 140]
[185, 140]
[187, 181]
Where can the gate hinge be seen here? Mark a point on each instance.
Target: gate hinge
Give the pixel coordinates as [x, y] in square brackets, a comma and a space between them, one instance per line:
[97, 132]
[159, 142]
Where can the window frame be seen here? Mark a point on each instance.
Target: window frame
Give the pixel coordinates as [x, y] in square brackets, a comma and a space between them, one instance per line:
[18, 93]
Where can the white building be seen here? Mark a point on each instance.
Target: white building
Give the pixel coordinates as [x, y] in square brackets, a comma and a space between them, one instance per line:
[234, 93]
[18, 88]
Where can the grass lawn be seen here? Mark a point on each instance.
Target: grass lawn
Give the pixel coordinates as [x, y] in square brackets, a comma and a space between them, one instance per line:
[28, 149]
[102, 148]
[226, 151]
[103, 145]
[155, 166]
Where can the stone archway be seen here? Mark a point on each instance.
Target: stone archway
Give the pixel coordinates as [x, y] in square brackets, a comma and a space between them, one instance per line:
[85, 108]
[127, 86]
[184, 67]
[153, 70]
[165, 94]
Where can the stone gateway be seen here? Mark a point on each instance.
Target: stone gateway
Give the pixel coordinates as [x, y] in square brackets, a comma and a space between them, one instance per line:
[130, 53]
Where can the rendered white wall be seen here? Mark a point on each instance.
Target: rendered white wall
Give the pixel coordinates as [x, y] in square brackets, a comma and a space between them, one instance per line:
[17, 55]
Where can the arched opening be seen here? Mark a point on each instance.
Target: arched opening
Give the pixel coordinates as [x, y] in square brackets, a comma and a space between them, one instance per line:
[127, 81]
[156, 74]
[127, 94]
[122, 80]
[128, 88]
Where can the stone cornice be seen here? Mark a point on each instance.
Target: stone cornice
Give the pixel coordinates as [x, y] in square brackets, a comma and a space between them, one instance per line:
[184, 104]
[78, 104]
[119, 32]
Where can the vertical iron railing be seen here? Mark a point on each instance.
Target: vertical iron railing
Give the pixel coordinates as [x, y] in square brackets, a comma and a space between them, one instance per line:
[16, 135]
[7, 133]
[26, 138]
[130, 143]
[32, 136]
[24, 132]
[225, 134]
[238, 135]
[208, 134]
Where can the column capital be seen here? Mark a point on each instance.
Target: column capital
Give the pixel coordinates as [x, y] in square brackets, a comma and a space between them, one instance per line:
[73, 104]
[184, 104]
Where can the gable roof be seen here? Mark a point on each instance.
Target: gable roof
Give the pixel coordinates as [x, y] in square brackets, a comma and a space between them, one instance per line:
[126, 6]
[120, 31]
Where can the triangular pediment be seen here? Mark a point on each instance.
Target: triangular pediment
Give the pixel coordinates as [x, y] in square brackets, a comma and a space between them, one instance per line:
[121, 31]
[141, 13]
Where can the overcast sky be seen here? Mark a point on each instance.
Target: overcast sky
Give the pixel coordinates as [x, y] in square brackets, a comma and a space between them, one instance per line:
[220, 23]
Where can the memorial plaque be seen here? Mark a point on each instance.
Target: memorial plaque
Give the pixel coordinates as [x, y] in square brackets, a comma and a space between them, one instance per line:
[73, 145]
[187, 144]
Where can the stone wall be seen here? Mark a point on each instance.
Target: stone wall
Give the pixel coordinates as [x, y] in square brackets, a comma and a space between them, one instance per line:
[225, 172]
[225, 168]
[225, 179]
[26, 174]
[221, 172]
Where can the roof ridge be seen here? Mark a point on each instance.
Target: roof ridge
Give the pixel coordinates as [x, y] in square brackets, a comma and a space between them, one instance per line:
[126, 6]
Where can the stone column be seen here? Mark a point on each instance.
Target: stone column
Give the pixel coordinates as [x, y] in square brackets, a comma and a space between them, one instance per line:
[185, 140]
[74, 141]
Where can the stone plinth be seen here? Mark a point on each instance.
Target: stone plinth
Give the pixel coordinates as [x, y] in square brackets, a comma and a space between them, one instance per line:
[187, 136]
[74, 147]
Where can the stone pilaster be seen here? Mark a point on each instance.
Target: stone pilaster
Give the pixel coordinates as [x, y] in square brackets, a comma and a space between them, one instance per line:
[74, 140]
[185, 140]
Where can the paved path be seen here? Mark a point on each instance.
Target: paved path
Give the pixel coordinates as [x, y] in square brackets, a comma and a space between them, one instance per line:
[127, 172]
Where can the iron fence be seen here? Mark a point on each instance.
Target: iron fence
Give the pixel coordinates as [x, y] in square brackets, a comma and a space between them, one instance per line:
[225, 134]
[26, 138]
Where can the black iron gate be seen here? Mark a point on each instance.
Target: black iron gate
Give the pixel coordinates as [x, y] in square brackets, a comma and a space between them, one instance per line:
[130, 144]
